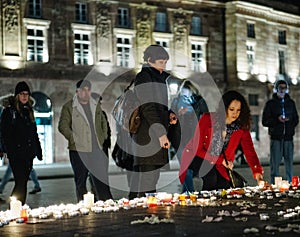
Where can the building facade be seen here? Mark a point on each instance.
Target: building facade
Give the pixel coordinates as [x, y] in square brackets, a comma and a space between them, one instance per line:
[244, 45]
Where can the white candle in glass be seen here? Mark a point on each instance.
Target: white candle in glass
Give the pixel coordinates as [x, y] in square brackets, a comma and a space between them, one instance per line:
[278, 181]
[15, 208]
[88, 200]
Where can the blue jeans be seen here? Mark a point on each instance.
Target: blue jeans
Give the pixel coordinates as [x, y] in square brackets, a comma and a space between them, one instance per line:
[188, 184]
[8, 173]
[279, 149]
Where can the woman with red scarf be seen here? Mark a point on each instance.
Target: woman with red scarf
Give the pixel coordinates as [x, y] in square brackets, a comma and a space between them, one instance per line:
[219, 134]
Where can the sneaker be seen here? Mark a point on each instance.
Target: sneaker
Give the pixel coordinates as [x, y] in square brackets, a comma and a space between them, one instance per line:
[35, 190]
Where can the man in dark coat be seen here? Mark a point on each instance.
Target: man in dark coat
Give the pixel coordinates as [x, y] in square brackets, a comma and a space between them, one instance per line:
[281, 117]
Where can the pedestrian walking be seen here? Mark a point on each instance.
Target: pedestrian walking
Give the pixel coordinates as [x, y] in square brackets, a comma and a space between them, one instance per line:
[20, 138]
[82, 122]
[281, 117]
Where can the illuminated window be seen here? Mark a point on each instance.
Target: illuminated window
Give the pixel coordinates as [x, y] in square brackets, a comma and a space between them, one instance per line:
[35, 8]
[37, 43]
[250, 30]
[82, 49]
[161, 24]
[196, 25]
[197, 57]
[123, 17]
[250, 56]
[124, 52]
[282, 37]
[281, 57]
[81, 12]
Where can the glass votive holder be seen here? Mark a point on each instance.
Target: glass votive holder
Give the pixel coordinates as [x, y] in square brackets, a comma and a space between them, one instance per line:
[295, 182]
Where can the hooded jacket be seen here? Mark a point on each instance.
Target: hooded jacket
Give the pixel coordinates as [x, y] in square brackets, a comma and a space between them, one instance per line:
[271, 112]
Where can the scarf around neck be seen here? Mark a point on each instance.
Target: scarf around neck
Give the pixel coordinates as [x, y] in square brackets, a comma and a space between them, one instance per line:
[218, 144]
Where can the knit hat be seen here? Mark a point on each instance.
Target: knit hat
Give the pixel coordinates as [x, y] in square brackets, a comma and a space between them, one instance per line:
[22, 86]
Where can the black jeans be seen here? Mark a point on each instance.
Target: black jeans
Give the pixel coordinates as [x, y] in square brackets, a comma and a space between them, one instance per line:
[81, 172]
[213, 180]
[21, 168]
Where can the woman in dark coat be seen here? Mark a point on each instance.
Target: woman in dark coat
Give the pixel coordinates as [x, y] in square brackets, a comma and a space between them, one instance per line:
[152, 143]
[20, 138]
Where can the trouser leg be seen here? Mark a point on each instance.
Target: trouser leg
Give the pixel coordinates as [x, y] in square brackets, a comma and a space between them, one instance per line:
[5, 178]
[34, 178]
[21, 169]
[97, 164]
[134, 182]
[188, 184]
[148, 178]
[80, 174]
[288, 154]
[276, 151]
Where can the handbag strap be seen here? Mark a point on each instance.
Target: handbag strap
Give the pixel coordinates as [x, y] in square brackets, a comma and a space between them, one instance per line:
[225, 158]
[130, 84]
[229, 170]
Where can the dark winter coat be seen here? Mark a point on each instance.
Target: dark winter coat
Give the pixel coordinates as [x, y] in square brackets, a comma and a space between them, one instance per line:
[152, 92]
[19, 134]
[271, 112]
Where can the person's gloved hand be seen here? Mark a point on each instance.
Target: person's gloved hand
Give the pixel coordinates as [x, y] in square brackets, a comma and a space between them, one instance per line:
[40, 157]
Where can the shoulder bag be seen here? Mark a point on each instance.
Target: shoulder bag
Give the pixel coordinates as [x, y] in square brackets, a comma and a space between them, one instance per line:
[127, 102]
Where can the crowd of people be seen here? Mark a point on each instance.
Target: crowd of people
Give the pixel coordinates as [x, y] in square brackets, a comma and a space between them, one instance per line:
[205, 142]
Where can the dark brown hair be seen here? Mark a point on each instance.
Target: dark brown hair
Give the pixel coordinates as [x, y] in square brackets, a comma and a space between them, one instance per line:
[155, 52]
[244, 118]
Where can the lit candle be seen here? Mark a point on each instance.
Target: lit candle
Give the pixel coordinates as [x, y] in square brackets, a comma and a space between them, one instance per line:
[295, 182]
[24, 215]
[278, 181]
[88, 200]
[284, 186]
[15, 208]
[152, 201]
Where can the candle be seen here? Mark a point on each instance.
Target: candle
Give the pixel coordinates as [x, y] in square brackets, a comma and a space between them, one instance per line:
[152, 201]
[24, 214]
[295, 181]
[15, 208]
[88, 200]
[278, 181]
[284, 186]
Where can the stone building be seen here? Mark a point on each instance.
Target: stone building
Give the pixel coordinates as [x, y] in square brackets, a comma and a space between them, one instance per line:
[244, 45]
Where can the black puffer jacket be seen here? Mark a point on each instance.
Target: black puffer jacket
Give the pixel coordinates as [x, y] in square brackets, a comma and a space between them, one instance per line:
[271, 112]
[152, 92]
[18, 133]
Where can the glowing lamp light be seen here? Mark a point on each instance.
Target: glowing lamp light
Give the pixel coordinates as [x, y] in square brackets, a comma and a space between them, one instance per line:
[243, 76]
[262, 78]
